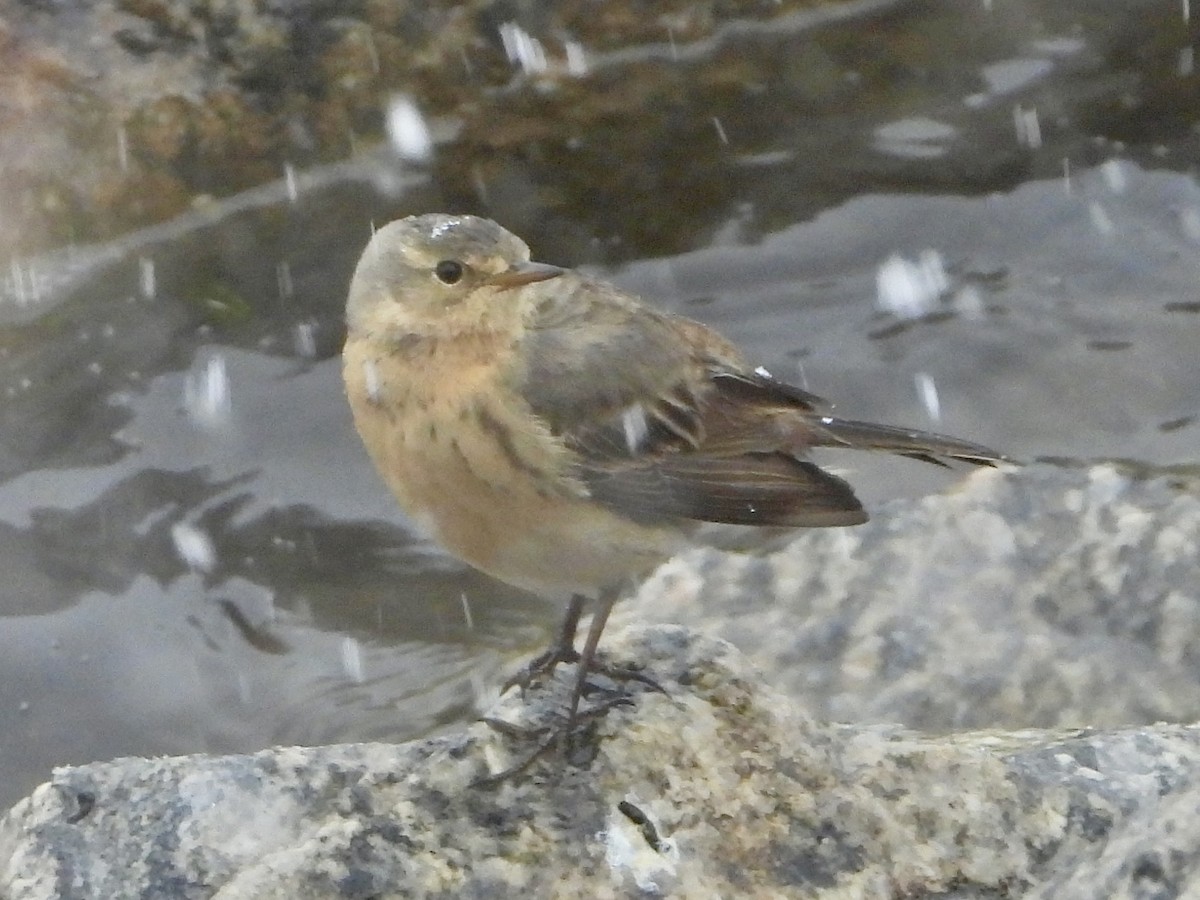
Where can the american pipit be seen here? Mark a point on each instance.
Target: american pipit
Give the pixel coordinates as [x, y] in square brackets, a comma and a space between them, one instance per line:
[556, 433]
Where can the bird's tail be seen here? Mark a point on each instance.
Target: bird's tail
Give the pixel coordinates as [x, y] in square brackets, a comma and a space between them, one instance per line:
[922, 445]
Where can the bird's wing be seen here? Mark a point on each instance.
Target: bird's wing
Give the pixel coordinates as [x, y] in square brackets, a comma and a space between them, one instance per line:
[665, 423]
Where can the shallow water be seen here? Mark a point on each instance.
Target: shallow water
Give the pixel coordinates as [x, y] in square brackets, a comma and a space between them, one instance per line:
[198, 555]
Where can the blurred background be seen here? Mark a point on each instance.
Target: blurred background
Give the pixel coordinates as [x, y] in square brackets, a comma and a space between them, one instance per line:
[977, 217]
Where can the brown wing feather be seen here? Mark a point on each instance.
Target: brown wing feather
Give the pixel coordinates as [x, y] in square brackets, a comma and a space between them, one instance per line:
[768, 489]
[923, 445]
[667, 423]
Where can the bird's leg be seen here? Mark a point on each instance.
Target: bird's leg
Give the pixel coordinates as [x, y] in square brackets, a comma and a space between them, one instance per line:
[588, 656]
[588, 663]
[561, 733]
[561, 651]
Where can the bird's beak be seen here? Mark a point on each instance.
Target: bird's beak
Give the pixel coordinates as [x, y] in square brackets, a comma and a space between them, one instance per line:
[524, 273]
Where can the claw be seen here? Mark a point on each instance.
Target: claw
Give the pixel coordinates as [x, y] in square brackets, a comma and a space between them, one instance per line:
[622, 674]
[512, 730]
[548, 737]
[561, 651]
[541, 666]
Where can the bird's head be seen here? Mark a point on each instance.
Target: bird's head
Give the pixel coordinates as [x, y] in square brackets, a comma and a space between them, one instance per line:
[420, 269]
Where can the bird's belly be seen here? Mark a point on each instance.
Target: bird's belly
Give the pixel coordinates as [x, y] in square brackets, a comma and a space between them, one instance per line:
[584, 550]
[484, 499]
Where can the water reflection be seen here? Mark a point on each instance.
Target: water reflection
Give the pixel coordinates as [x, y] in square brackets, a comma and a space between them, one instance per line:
[926, 227]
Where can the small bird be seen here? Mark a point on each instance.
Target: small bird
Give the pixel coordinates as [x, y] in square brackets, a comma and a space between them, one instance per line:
[556, 433]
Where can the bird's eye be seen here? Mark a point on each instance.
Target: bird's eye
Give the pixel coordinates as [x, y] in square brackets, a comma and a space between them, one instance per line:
[449, 271]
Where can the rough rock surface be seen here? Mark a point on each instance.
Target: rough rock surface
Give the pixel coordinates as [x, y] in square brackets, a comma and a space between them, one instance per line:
[719, 787]
[1038, 596]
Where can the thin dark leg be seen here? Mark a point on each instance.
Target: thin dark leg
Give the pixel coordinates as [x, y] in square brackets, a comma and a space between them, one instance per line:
[588, 655]
[570, 624]
[547, 737]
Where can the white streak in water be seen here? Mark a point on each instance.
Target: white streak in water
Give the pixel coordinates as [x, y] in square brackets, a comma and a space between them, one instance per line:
[721, 135]
[16, 277]
[1114, 174]
[407, 130]
[485, 695]
[194, 546]
[577, 63]
[206, 395]
[306, 339]
[289, 180]
[352, 661]
[523, 49]
[146, 281]
[927, 391]
[911, 289]
[1101, 219]
[24, 282]
[1029, 131]
[122, 148]
[803, 375]
[1189, 221]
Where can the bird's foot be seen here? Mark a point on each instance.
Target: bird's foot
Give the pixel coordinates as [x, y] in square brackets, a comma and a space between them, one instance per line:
[540, 667]
[543, 665]
[566, 731]
[619, 674]
[563, 735]
[561, 651]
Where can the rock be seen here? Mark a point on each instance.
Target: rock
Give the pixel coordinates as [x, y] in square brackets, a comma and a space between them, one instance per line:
[719, 787]
[126, 113]
[1039, 596]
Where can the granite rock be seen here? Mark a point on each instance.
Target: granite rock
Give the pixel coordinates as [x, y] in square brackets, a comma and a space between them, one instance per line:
[1041, 596]
[718, 787]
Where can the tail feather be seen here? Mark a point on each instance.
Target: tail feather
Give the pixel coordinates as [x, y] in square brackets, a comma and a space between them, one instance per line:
[922, 445]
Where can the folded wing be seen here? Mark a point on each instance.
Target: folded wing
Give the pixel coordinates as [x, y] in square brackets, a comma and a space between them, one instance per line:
[666, 422]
